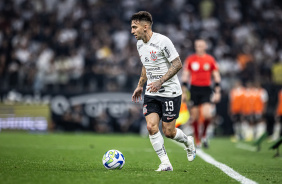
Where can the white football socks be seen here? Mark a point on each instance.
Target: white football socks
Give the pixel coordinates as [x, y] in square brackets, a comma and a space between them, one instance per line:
[237, 130]
[181, 137]
[157, 142]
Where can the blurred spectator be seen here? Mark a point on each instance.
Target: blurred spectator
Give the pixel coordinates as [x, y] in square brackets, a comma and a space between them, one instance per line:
[91, 44]
[70, 46]
[13, 72]
[277, 73]
[260, 108]
[133, 122]
[102, 124]
[44, 68]
[74, 119]
[206, 8]
[76, 70]
[278, 114]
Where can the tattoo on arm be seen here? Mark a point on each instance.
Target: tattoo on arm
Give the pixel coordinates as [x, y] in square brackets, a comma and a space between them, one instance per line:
[176, 65]
[143, 77]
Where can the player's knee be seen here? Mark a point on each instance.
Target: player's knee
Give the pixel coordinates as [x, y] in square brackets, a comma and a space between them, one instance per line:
[152, 129]
[194, 116]
[193, 119]
[169, 133]
[207, 115]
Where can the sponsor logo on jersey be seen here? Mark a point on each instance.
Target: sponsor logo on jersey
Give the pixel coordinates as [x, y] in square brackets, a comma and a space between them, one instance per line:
[167, 53]
[195, 66]
[153, 69]
[169, 115]
[151, 76]
[162, 89]
[139, 46]
[154, 45]
[146, 59]
[206, 66]
[153, 56]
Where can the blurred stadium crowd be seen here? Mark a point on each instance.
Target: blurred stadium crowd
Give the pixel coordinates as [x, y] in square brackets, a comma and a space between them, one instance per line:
[87, 45]
[69, 46]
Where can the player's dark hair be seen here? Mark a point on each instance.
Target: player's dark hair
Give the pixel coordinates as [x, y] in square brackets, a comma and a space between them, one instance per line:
[142, 16]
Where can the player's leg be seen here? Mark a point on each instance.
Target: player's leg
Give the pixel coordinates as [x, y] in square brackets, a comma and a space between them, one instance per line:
[194, 114]
[157, 141]
[248, 128]
[207, 110]
[245, 126]
[195, 102]
[177, 134]
[259, 126]
[170, 109]
[280, 126]
[236, 121]
[152, 111]
[277, 128]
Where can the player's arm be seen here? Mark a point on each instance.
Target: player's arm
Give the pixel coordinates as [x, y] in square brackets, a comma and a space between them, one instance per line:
[176, 65]
[217, 80]
[217, 89]
[185, 78]
[143, 78]
[139, 89]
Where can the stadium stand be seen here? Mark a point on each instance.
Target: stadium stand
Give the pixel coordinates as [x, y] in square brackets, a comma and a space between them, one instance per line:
[68, 46]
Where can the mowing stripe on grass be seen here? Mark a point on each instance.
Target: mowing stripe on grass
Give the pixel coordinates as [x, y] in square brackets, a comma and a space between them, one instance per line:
[246, 147]
[227, 170]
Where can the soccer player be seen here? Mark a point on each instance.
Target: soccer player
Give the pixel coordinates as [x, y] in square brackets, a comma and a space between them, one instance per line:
[236, 96]
[162, 98]
[198, 71]
[279, 115]
[260, 104]
[249, 97]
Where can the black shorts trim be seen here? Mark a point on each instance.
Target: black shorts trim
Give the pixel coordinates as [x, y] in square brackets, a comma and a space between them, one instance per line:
[166, 107]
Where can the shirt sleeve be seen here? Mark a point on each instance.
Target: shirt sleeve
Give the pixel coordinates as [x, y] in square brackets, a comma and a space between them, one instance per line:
[214, 65]
[169, 50]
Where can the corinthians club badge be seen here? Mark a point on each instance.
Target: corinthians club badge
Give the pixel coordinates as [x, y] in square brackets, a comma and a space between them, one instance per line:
[153, 56]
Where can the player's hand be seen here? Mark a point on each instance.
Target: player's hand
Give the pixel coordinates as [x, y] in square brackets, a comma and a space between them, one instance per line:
[137, 94]
[184, 97]
[216, 97]
[184, 94]
[154, 86]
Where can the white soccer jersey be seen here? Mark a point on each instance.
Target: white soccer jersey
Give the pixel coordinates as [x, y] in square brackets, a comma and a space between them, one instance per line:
[156, 56]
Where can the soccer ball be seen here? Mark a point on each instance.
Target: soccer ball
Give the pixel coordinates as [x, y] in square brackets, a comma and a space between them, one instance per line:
[113, 159]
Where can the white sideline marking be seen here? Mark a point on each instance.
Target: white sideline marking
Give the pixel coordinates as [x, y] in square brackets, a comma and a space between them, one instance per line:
[227, 170]
[245, 147]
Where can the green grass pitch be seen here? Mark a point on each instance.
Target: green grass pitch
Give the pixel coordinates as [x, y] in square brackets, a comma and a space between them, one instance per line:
[77, 158]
